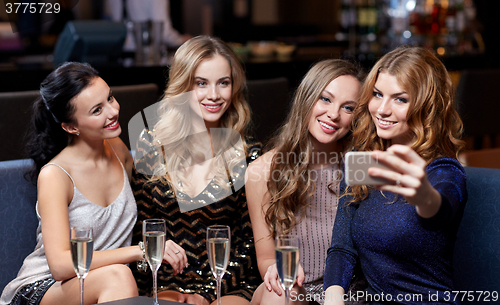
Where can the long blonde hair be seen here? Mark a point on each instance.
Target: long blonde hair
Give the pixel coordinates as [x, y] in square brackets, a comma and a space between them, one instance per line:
[173, 134]
[289, 194]
[432, 119]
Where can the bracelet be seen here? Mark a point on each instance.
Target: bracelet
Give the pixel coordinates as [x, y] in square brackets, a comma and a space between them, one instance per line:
[142, 265]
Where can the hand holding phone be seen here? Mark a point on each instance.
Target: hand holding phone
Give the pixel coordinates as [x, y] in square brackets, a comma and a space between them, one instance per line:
[357, 164]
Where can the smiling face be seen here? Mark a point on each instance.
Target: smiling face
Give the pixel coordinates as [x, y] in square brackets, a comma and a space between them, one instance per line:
[96, 112]
[389, 108]
[213, 89]
[332, 114]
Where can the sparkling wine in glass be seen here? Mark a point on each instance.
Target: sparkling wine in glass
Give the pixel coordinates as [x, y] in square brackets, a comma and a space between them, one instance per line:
[153, 232]
[218, 245]
[287, 262]
[82, 246]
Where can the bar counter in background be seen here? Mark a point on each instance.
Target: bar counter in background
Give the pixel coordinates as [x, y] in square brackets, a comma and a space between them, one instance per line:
[25, 74]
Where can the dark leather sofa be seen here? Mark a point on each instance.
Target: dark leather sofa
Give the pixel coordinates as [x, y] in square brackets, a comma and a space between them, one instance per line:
[476, 257]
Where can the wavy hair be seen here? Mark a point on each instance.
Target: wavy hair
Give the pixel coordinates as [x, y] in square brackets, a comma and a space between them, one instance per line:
[432, 118]
[46, 137]
[173, 134]
[290, 193]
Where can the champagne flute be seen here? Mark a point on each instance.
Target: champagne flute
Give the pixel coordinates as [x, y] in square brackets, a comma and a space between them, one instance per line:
[82, 246]
[218, 245]
[153, 232]
[287, 262]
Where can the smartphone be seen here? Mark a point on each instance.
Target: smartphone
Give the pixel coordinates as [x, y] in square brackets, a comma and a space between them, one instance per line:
[357, 164]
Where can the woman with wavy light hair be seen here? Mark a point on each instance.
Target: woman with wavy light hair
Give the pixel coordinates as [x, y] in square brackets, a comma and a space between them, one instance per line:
[292, 188]
[403, 232]
[190, 171]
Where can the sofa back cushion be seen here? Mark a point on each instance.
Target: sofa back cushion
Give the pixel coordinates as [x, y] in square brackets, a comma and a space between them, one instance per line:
[18, 221]
[477, 252]
[14, 121]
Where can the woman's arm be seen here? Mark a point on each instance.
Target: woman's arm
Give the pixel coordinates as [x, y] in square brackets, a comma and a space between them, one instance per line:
[258, 202]
[411, 180]
[55, 191]
[334, 295]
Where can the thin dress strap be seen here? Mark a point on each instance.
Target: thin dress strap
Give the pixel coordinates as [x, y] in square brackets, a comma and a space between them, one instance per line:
[74, 185]
[116, 155]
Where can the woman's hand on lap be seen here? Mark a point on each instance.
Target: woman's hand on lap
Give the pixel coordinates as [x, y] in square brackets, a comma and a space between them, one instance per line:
[272, 280]
[175, 256]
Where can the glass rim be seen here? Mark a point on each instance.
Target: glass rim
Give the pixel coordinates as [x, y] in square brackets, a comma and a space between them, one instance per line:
[286, 237]
[80, 228]
[154, 220]
[218, 227]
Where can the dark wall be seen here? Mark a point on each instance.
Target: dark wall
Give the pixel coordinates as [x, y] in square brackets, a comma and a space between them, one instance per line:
[487, 17]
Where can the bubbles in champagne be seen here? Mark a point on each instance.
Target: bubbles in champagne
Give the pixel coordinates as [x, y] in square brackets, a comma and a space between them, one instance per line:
[81, 253]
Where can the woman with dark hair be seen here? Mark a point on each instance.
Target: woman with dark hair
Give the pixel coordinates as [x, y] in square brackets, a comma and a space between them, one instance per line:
[402, 232]
[190, 172]
[293, 188]
[82, 172]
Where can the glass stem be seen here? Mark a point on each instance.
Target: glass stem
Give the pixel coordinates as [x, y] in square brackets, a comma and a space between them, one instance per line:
[81, 290]
[287, 298]
[155, 287]
[219, 280]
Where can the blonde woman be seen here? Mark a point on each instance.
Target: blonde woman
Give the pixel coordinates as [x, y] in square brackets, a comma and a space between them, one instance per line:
[190, 171]
[293, 188]
[403, 233]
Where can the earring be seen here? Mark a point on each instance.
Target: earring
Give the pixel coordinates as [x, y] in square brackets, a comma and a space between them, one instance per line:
[77, 133]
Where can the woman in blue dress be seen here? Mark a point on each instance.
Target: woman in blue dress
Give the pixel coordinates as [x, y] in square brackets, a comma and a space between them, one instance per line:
[402, 234]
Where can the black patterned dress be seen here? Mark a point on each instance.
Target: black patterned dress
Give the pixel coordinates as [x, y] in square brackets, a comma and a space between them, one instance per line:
[188, 229]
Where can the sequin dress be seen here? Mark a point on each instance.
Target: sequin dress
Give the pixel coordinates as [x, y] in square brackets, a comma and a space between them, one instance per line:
[188, 229]
[315, 230]
[402, 255]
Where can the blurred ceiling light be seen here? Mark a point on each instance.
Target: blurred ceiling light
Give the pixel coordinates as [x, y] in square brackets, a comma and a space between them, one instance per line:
[410, 5]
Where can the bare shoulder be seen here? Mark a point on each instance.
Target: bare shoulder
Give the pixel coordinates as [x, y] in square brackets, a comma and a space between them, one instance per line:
[121, 149]
[262, 163]
[257, 173]
[53, 172]
[53, 179]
